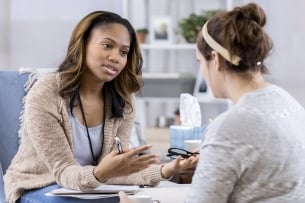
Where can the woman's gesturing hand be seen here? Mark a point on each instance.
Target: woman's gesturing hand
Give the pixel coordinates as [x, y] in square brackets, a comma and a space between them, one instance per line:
[115, 164]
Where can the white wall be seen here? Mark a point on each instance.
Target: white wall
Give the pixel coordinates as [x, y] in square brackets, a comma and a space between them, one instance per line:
[286, 26]
[39, 30]
[4, 32]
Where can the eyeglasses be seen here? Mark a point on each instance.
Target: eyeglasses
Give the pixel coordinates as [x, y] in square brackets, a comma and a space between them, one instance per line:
[174, 152]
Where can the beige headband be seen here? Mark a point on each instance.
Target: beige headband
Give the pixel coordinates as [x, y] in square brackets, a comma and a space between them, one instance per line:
[217, 47]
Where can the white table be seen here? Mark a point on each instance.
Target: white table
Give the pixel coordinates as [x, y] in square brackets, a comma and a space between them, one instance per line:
[167, 192]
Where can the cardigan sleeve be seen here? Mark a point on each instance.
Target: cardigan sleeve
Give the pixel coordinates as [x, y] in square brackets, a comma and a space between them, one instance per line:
[44, 126]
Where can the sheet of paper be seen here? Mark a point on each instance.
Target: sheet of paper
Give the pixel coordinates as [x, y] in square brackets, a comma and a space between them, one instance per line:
[85, 196]
[103, 191]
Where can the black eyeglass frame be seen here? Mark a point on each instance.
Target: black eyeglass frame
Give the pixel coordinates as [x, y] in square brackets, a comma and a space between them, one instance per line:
[172, 153]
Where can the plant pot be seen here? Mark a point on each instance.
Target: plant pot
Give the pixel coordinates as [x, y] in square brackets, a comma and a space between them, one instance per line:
[141, 37]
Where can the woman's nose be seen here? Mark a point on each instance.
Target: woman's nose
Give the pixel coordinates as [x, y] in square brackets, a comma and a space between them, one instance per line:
[113, 57]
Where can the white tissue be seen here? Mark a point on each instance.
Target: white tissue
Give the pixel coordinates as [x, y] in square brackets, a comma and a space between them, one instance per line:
[190, 114]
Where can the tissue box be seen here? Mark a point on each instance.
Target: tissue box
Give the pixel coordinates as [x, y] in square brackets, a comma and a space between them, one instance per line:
[178, 134]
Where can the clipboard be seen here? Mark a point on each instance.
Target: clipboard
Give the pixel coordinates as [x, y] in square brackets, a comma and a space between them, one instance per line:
[103, 191]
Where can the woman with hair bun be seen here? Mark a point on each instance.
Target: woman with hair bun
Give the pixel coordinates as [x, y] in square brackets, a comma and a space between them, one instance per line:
[254, 152]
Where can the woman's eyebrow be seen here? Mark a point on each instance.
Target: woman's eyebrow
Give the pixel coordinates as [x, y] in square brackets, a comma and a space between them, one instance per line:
[113, 41]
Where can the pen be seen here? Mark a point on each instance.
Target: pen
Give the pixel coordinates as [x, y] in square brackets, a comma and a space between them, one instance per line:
[118, 144]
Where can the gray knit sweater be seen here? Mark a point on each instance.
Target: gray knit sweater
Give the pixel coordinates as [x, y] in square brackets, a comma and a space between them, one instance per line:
[45, 155]
[254, 153]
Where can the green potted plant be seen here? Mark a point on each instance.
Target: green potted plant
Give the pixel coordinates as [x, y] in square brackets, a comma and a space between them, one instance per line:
[190, 26]
[141, 34]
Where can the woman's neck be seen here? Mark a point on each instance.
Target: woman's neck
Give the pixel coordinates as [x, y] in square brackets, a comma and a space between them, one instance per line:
[92, 102]
[238, 85]
[90, 88]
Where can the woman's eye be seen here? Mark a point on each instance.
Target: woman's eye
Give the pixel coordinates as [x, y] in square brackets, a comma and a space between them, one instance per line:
[106, 45]
[124, 53]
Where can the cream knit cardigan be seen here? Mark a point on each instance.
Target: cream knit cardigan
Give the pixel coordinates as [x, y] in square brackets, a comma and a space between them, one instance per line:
[45, 155]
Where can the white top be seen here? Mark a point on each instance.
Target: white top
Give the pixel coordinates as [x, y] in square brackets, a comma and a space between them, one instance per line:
[81, 146]
[255, 152]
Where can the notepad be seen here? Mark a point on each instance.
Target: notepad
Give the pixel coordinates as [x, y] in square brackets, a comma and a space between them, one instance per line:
[103, 191]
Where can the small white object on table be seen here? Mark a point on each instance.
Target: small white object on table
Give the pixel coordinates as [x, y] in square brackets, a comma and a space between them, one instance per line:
[166, 192]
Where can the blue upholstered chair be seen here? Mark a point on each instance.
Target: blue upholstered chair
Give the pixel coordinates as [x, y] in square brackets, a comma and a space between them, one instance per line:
[1, 186]
[11, 95]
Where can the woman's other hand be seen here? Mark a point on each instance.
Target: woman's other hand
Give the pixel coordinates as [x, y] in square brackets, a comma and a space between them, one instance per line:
[124, 198]
[177, 165]
[115, 164]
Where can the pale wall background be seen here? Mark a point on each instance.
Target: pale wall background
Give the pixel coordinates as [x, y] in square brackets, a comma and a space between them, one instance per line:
[35, 33]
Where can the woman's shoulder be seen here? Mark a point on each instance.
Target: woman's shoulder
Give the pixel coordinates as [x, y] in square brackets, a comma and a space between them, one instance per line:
[244, 119]
[237, 123]
[45, 86]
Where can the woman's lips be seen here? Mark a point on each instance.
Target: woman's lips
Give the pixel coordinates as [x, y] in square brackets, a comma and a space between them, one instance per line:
[110, 69]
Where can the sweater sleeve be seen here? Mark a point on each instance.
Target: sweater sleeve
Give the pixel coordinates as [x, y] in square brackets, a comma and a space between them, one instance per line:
[43, 120]
[150, 176]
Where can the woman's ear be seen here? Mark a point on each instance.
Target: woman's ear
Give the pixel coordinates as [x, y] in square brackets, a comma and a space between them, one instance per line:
[216, 60]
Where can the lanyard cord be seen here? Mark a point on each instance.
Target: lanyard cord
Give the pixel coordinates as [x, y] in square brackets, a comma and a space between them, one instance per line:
[88, 135]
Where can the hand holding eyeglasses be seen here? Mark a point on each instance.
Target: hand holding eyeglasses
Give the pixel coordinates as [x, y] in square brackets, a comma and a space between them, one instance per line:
[182, 160]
